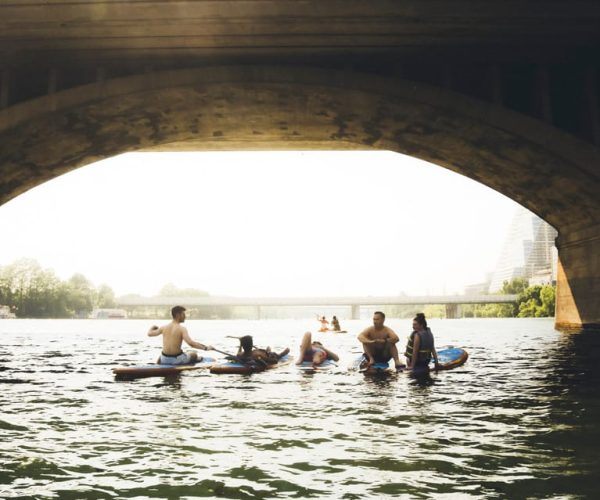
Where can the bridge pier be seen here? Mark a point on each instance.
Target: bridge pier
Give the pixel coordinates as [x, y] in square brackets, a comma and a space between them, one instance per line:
[453, 311]
[258, 313]
[355, 313]
[578, 279]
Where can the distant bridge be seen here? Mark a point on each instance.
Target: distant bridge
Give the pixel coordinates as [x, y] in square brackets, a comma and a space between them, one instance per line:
[452, 302]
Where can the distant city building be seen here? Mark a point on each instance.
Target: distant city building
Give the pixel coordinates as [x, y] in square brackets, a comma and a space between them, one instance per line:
[528, 252]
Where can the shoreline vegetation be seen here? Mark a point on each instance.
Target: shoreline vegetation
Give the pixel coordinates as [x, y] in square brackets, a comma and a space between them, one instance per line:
[29, 291]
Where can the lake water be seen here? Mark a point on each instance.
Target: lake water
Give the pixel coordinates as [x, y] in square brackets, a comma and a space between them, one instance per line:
[521, 419]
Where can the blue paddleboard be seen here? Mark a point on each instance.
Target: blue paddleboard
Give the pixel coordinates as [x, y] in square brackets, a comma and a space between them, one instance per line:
[451, 357]
[328, 364]
[377, 368]
[232, 366]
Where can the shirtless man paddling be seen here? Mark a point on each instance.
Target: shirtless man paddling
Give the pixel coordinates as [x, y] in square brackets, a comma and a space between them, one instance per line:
[173, 335]
[379, 342]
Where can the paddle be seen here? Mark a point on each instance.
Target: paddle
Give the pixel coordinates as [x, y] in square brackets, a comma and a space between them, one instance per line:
[241, 360]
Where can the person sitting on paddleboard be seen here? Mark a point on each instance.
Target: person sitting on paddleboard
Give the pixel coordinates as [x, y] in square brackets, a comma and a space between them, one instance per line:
[248, 352]
[335, 324]
[422, 343]
[324, 323]
[173, 335]
[314, 352]
[379, 342]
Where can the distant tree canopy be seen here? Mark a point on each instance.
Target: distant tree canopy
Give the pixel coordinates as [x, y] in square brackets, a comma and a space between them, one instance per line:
[33, 292]
[536, 301]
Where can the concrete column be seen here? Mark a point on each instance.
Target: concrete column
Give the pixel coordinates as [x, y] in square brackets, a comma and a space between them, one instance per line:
[258, 312]
[355, 311]
[452, 311]
[578, 279]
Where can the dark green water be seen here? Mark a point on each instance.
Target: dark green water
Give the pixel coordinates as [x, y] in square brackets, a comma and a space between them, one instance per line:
[520, 420]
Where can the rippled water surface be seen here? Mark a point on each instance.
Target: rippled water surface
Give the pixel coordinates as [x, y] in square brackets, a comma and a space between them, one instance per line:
[520, 420]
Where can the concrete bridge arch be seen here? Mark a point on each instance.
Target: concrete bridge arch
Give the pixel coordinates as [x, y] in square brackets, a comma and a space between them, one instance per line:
[254, 107]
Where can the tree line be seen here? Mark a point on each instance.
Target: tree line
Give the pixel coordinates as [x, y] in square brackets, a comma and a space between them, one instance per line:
[33, 292]
[535, 301]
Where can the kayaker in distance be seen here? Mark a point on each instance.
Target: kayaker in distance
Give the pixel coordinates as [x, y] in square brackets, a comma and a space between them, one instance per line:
[174, 334]
[336, 324]
[314, 352]
[420, 347]
[379, 342]
[248, 352]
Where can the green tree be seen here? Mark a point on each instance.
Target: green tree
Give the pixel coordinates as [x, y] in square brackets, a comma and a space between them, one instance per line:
[514, 286]
[31, 291]
[81, 295]
[548, 296]
[537, 301]
[105, 297]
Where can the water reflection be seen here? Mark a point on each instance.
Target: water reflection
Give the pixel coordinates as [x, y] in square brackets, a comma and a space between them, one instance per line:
[518, 420]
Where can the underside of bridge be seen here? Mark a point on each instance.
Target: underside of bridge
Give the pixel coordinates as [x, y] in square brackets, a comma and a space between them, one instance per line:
[493, 95]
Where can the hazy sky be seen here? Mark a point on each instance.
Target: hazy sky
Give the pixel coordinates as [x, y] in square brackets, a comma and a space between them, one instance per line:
[262, 224]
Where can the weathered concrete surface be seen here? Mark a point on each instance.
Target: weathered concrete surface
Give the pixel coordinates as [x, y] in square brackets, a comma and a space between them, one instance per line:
[237, 108]
[578, 287]
[547, 171]
[54, 31]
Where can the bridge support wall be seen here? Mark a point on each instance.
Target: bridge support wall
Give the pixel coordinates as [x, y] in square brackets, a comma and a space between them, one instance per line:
[355, 311]
[578, 279]
[453, 311]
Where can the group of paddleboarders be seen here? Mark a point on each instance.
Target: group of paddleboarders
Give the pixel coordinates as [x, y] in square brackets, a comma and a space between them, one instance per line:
[335, 324]
[379, 345]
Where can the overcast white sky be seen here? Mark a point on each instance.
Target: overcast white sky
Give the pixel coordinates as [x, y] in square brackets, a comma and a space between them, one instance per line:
[262, 224]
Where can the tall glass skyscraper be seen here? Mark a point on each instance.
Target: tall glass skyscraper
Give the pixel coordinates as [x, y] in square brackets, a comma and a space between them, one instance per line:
[528, 251]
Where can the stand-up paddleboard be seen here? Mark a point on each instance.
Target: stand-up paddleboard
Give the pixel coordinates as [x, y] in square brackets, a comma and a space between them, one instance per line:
[451, 357]
[328, 364]
[232, 366]
[157, 370]
[359, 364]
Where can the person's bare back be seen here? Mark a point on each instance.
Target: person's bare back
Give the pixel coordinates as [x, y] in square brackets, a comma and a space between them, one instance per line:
[172, 338]
[174, 334]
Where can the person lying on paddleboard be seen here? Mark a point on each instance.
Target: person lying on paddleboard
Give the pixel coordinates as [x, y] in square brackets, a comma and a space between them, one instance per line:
[248, 352]
[314, 352]
[336, 324]
[173, 335]
[422, 343]
[379, 342]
